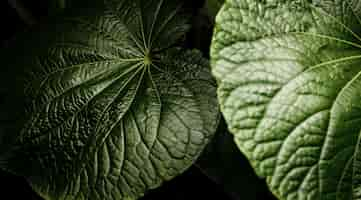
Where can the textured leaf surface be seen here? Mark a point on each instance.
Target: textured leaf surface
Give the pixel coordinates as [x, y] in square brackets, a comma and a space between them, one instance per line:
[289, 88]
[113, 109]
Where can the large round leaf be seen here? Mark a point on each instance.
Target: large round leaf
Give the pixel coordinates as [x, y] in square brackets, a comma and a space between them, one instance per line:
[112, 108]
[289, 75]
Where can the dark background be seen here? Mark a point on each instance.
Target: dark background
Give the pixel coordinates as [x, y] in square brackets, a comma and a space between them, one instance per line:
[221, 173]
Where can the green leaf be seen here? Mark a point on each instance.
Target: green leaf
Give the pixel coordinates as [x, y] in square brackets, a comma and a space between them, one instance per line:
[212, 7]
[112, 107]
[289, 75]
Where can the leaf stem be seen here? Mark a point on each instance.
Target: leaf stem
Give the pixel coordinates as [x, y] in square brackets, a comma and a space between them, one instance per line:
[24, 14]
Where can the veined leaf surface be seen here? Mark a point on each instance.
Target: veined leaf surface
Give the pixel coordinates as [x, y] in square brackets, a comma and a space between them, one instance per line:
[112, 106]
[289, 75]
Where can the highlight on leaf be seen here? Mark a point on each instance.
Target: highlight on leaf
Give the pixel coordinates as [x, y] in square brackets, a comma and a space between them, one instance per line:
[289, 82]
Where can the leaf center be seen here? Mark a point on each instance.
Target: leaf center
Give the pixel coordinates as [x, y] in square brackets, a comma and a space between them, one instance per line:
[147, 60]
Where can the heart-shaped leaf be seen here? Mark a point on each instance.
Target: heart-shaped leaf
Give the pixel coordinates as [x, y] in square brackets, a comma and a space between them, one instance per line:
[112, 107]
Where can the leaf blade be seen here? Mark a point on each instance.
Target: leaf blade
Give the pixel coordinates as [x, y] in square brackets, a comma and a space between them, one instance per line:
[280, 82]
[100, 121]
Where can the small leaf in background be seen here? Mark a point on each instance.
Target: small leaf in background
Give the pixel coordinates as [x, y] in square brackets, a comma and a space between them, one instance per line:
[289, 89]
[203, 24]
[212, 7]
[111, 107]
[56, 6]
[223, 163]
